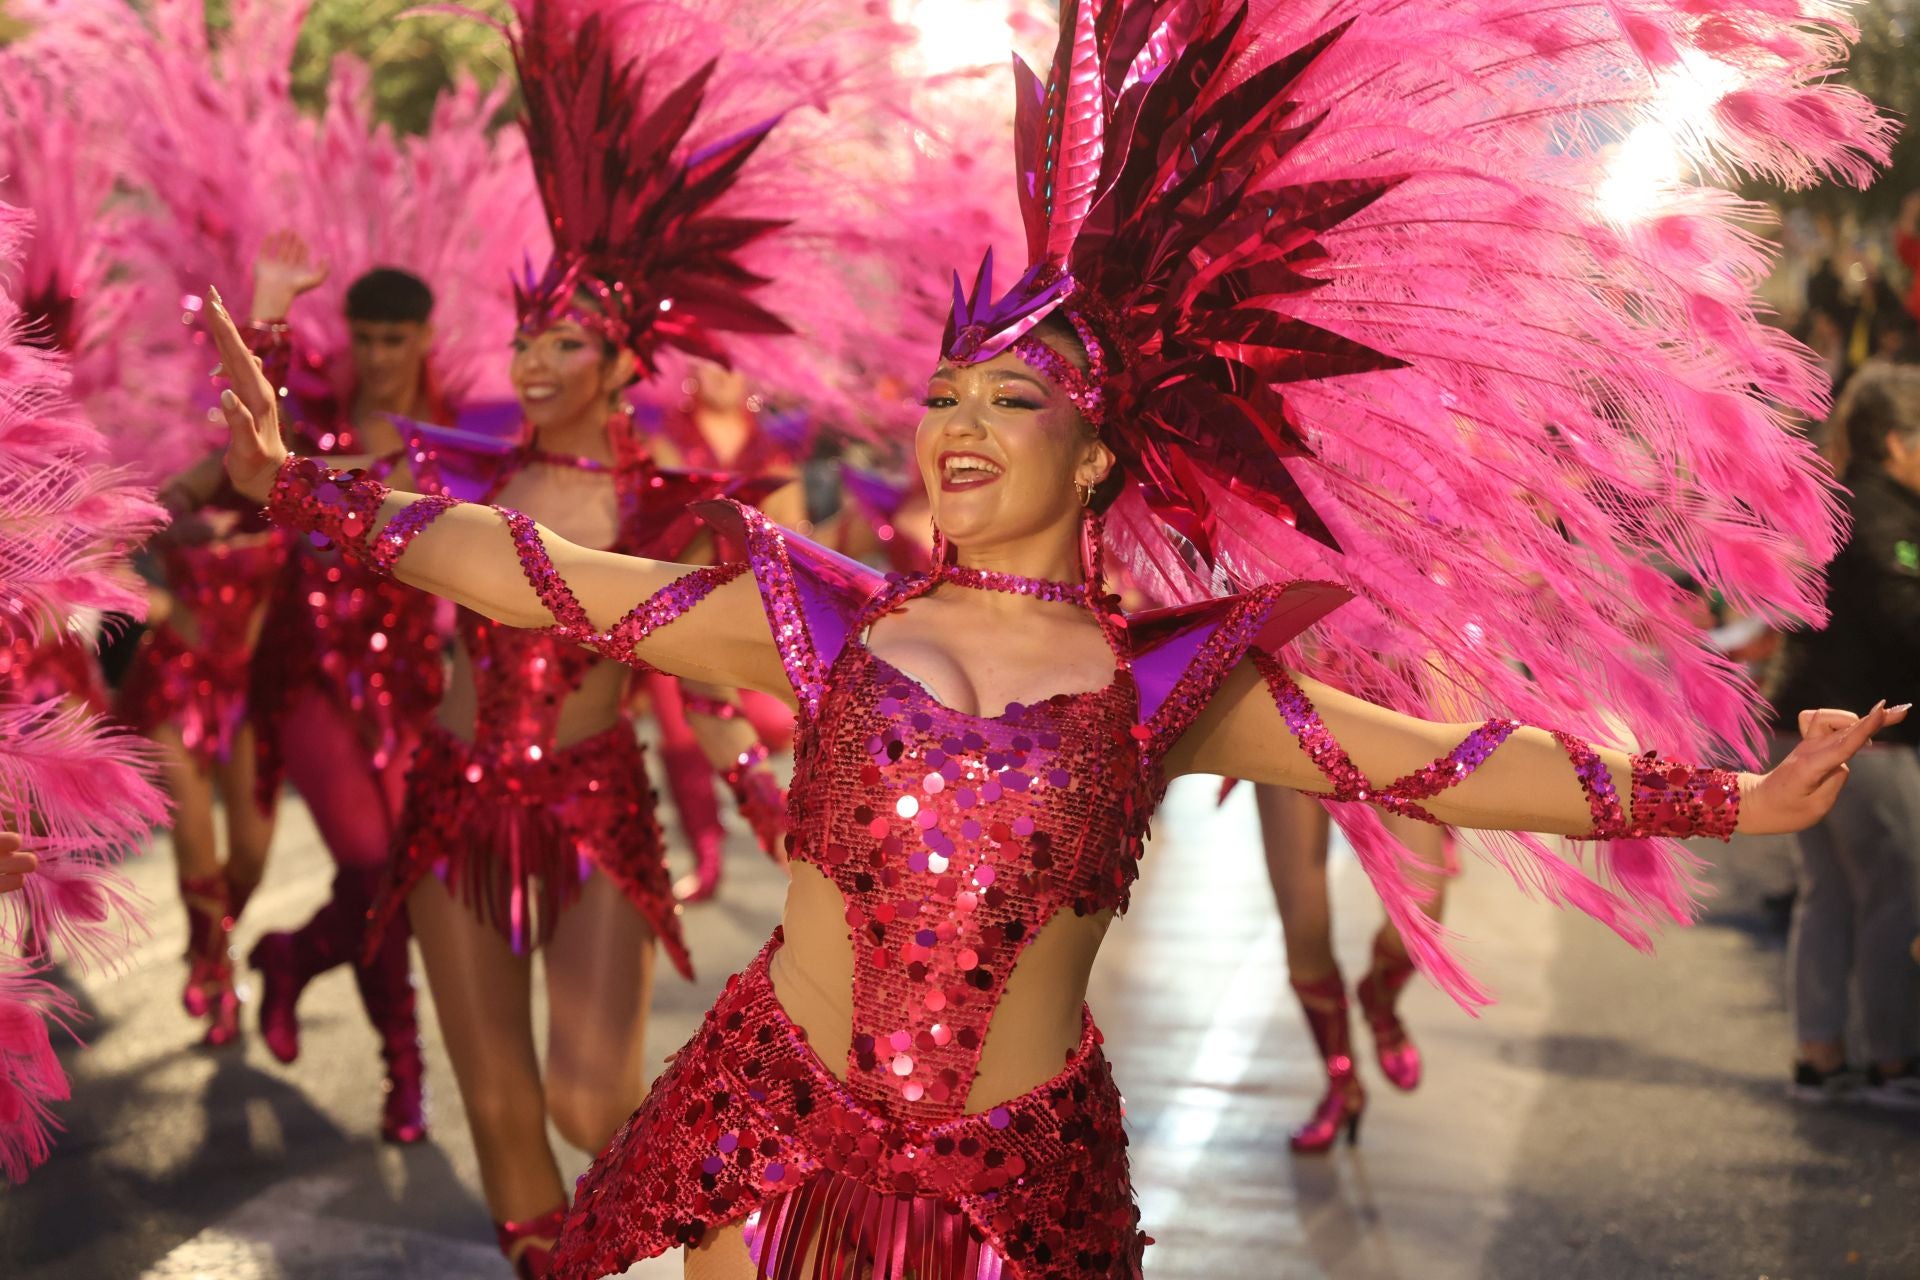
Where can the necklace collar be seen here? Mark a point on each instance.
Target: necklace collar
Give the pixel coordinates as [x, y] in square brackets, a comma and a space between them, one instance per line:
[1012, 584]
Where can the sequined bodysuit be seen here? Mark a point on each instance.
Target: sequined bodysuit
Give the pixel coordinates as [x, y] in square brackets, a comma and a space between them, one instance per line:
[506, 815]
[200, 687]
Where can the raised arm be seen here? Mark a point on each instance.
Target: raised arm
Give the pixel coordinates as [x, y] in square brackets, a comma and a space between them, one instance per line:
[498, 563]
[1501, 775]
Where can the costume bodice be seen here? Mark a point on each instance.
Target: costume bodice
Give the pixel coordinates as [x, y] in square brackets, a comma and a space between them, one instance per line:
[522, 680]
[954, 838]
[223, 584]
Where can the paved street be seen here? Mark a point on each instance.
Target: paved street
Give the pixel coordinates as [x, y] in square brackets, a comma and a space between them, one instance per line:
[1614, 1116]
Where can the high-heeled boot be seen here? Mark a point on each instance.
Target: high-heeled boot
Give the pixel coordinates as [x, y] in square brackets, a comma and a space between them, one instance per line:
[386, 991]
[1324, 1001]
[288, 961]
[1379, 996]
[762, 802]
[690, 783]
[209, 991]
[532, 1260]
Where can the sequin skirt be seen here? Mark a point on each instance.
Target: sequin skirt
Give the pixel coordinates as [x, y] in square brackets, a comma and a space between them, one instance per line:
[200, 692]
[748, 1123]
[515, 841]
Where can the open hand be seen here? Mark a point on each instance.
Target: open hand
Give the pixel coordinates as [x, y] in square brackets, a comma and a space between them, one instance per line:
[284, 269]
[1802, 788]
[254, 447]
[15, 866]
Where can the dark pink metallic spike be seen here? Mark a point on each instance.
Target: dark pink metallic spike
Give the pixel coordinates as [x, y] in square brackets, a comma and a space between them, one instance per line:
[1080, 134]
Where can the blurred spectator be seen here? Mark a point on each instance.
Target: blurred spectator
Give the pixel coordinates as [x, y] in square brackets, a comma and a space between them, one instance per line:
[1855, 918]
[1906, 246]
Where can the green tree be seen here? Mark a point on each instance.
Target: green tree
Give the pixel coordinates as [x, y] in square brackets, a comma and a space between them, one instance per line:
[413, 58]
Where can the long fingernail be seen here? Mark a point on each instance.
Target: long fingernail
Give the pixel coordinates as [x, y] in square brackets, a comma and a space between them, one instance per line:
[1905, 706]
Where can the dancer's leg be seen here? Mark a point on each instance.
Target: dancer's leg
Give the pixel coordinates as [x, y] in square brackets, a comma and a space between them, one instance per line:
[1293, 833]
[482, 993]
[600, 964]
[208, 992]
[249, 828]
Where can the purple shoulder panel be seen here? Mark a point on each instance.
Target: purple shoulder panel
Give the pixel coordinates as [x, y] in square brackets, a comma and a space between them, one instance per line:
[1180, 655]
[812, 595]
[453, 461]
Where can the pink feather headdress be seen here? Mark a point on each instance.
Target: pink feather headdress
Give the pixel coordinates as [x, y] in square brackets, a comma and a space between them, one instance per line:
[1384, 293]
[639, 213]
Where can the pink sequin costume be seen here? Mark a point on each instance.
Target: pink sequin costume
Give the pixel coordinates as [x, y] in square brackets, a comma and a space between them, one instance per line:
[201, 687]
[511, 820]
[953, 839]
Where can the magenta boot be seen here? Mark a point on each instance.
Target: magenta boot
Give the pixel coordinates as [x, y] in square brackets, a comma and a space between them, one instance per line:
[386, 990]
[1325, 1004]
[1379, 996]
[287, 962]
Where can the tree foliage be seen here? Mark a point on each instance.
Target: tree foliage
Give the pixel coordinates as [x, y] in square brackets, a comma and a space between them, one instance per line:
[413, 58]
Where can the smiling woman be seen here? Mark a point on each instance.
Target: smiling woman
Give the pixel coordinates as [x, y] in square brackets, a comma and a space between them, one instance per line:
[906, 1082]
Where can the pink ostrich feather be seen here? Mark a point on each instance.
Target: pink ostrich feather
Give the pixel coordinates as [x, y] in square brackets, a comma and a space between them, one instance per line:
[83, 792]
[31, 1078]
[88, 284]
[1574, 385]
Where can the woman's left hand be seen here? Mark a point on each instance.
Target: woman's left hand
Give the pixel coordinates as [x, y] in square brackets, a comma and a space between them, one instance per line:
[1802, 788]
[15, 866]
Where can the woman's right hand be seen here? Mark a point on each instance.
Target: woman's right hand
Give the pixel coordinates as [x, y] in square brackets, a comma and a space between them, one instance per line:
[254, 448]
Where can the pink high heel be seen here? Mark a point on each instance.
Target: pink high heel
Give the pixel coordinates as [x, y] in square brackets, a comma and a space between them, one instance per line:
[1379, 996]
[209, 992]
[529, 1245]
[1324, 1002]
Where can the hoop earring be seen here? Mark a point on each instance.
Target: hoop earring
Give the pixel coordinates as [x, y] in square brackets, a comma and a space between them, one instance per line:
[1085, 491]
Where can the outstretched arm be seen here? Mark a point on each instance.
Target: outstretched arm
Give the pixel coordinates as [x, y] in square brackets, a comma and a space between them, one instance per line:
[1268, 727]
[498, 563]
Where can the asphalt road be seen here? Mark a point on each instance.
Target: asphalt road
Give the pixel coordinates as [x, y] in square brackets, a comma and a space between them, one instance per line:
[1614, 1116]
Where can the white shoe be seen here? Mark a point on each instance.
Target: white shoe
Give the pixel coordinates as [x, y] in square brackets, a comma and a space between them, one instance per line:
[1900, 1093]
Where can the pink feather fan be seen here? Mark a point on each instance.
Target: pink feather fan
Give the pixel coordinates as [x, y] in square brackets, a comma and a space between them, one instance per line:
[81, 791]
[87, 287]
[1432, 298]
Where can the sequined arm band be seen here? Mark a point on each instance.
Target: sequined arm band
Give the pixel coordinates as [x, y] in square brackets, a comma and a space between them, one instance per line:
[570, 619]
[343, 507]
[1668, 799]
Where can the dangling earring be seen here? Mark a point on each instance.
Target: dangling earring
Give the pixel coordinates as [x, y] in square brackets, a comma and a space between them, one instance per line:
[940, 550]
[1090, 536]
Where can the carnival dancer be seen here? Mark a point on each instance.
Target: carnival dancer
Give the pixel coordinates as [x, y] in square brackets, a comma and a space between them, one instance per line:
[981, 748]
[528, 820]
[186, 690]
[348, 667]
[706, 730]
